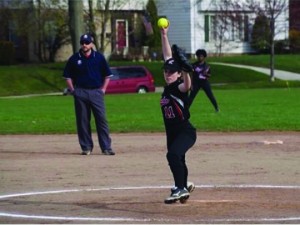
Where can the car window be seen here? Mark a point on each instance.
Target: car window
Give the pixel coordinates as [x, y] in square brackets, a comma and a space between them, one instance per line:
[115, 74]
[114, 77]
[133, 72]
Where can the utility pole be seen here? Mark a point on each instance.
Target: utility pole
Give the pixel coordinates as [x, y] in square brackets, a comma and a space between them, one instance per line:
[75, 22]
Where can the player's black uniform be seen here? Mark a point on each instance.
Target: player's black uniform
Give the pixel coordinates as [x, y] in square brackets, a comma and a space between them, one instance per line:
[181, 135]
[200, 80]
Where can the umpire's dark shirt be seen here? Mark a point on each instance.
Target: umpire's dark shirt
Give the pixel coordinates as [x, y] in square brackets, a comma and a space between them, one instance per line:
[87, 72]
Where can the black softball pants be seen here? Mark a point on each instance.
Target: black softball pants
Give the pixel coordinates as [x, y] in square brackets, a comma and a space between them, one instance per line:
[178, 144]
[205, 85]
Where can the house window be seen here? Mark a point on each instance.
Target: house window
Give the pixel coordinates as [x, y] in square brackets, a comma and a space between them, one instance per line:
[246, 28]
[206, 28]
[213, 30]
[122, 34]
[227, 28]
[232, 30]
[242, 28]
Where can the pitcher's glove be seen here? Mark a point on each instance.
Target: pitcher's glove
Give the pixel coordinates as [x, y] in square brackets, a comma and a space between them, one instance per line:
[181, 59]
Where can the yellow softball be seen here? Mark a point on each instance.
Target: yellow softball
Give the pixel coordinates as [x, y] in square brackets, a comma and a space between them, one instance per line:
[163, 23]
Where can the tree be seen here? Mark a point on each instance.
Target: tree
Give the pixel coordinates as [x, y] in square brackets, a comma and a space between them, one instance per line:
[103, 11]
[260, 34]
[294, 25]
[91, 23]
[36, 23]
[272, 9]
[152, 40]
[51, 30]
[294, 40]
[105, 7]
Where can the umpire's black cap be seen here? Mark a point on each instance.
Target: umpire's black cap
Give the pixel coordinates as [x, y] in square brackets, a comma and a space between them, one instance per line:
[171, 65]
[201, 52]
[86, 38]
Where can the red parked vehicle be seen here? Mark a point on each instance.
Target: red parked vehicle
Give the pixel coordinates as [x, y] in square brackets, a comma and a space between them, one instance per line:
[130, 79]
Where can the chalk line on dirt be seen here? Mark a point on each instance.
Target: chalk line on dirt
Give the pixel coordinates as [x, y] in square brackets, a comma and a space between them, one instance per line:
[113, 219]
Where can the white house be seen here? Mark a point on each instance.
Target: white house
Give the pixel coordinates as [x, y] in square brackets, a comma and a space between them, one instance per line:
[195, 24]
[214, 26]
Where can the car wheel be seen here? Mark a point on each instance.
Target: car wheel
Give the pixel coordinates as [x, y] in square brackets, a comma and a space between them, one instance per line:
[142, 90]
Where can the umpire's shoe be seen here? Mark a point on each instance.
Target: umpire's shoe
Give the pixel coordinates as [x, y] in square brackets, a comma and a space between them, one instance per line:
[108, 152]
[178, 194]
[86, 152]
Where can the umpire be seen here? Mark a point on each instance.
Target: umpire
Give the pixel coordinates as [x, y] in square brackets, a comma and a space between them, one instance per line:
[87, 75]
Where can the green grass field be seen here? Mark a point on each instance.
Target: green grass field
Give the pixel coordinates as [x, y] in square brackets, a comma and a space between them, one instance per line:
[241, 110]
[46, 78]
[248, 100]
[282, 62]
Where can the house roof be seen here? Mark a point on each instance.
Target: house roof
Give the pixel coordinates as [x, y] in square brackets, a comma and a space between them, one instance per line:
[114, 4]
[128, 4]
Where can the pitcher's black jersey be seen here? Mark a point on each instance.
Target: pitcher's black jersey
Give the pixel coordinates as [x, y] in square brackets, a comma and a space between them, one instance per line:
[174, 106]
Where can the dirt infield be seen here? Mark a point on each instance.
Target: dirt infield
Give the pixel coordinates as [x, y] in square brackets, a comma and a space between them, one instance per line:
[240, 178]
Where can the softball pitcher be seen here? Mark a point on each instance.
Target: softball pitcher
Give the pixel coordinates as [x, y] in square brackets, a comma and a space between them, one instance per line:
[180, 133]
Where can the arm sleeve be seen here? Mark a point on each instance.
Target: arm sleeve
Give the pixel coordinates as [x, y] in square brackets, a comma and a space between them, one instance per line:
[67, 71]
[105, 67]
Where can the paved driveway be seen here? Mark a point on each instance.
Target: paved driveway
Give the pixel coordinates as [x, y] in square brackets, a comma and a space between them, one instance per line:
[279, 74]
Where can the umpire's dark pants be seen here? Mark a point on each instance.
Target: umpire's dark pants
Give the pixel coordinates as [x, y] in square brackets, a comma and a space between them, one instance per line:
[89, 101]
[178, 144]
[205, 85]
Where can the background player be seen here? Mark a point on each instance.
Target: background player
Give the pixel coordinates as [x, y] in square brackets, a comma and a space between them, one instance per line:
[200, 79]
[181, 135]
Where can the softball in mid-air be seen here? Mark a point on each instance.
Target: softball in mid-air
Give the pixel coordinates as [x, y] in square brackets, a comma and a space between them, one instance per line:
[163, 23]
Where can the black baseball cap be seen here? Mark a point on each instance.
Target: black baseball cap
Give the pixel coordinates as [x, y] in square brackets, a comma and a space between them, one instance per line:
[86, 38]
[171, 65]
